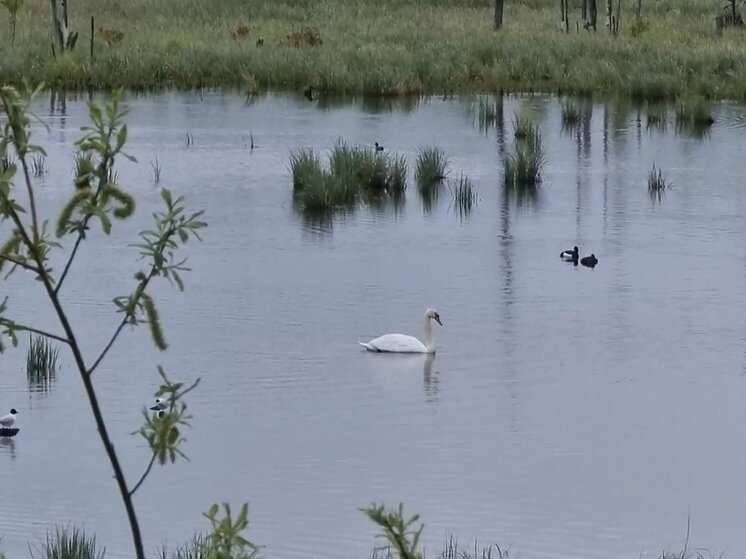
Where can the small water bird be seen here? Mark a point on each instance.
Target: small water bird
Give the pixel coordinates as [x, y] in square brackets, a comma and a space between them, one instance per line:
[569, 255]
[402, 343]
[589, 261]
[160, 404]
[378, 147]
[9, 420]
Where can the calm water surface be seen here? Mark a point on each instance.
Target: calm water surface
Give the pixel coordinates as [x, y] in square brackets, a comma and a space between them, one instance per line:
[569, 412]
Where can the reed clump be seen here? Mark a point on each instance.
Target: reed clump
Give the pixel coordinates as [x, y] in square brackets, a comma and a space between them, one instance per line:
[354, 173]
[432, 167]
[41, 361]
[570, 114]
[464, 195]
[523, 126]
[69, 543]
[524, 166]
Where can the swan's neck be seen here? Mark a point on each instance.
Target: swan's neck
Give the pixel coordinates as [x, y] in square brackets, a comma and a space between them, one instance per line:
[429, 342]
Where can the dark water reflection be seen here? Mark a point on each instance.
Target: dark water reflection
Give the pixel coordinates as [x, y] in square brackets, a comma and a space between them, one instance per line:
[569, 412]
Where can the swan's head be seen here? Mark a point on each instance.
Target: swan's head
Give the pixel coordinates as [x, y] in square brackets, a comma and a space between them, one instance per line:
[432, 314]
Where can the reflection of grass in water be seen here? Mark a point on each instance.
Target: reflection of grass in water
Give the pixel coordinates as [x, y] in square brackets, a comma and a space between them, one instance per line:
[694, 117]
[570, 114]
[41, 362]
[656, 116]
[69, 543]
[488, 112]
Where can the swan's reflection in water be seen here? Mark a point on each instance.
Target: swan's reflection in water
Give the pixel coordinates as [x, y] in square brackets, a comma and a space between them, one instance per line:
[399, 372]
[430, 379]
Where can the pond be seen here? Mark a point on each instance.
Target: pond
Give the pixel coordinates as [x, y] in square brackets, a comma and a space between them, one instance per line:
[568, 412]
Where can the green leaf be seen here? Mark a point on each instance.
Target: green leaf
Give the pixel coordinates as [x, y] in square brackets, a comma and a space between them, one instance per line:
[121, 137]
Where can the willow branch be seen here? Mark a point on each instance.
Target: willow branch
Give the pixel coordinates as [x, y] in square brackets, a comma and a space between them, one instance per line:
[144, 475]
[20, 263]
[138, 294]
[23, 328]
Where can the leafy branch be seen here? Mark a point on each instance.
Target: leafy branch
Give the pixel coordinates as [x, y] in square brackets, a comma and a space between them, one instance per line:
[396, 530]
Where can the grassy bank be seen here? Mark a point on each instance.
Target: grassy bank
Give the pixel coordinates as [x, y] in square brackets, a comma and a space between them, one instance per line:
[380, 47]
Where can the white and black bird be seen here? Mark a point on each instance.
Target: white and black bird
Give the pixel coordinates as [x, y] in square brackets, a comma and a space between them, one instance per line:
[160, 404]
[9, 420]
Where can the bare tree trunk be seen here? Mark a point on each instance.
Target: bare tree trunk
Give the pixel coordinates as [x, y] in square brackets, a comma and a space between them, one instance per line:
[562, 10]
[567, 16]
[499, 6]
[592, 14]
[733, 10]
[585, 11]
[609, 15]
[60, 30]
[65, 39]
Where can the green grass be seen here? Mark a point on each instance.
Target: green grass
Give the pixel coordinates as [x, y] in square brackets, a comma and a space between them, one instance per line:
[523, 126]
[656, 116]
[523, 167]
[387, 47]
[570, 114]
[69, 543]
[464, 195]
[354, 173]
[41, 361]
[488, 112]
[431, 167]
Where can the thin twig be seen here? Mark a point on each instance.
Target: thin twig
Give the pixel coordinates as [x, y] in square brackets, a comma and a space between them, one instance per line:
[144, 475]
[41, 333]
[32, 201]
[139, 292]
[20, 263]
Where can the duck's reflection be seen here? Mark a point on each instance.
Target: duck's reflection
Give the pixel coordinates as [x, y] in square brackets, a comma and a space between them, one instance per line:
[8, 445]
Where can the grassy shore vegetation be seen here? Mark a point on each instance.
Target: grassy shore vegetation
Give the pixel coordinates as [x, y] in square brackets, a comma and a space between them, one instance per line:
[383, 47]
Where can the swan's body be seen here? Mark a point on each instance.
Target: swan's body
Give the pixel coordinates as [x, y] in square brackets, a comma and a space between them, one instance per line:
[403, 343]
[8, 420]
[569, 255]
[589, 261]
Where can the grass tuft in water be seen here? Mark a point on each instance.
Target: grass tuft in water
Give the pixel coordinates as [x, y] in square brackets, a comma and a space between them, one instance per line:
[523, 167]
[196, 548]
[488, 112]
[451, 550]
[431, 167]
[523, 126]
[464, 195]
[69, 543]
[156, 171]
[39, 165]
[657, 181]
[305, 166]
[41, 361]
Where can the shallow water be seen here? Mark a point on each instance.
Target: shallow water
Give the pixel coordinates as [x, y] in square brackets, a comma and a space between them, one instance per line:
[569, 412]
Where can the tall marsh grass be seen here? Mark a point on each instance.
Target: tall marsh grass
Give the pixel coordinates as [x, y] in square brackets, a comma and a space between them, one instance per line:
[354, 173]
[69, 543]
[41, 362]
[464, 195]
[453, 48]
[694, 116]
[432, 167]
[524, 166]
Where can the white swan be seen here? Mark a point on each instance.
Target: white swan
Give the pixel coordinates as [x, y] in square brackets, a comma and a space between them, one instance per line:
[401, 343]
